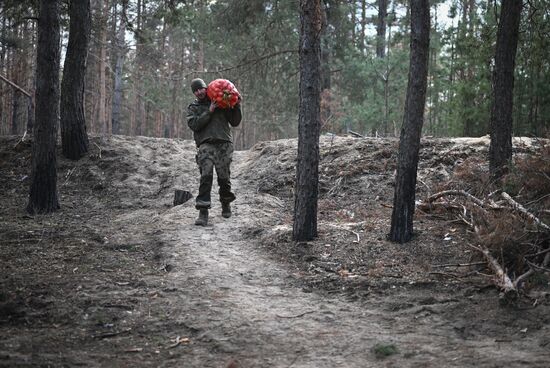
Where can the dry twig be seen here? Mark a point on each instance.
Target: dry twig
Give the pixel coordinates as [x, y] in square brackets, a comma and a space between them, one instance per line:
[351, 231]
[461, 264]
[179, 340]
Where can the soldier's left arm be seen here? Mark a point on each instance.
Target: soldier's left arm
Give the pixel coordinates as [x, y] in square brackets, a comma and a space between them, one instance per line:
[234, 115]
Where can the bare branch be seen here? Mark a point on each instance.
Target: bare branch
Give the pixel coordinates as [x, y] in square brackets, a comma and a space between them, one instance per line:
[463, 193]
[501, 278]
[15, 86]
[523, 212]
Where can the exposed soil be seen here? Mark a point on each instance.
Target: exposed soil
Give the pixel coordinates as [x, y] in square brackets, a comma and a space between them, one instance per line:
[119, 277]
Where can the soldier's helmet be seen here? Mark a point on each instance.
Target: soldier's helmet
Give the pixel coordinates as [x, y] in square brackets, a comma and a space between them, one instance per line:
[196, 84]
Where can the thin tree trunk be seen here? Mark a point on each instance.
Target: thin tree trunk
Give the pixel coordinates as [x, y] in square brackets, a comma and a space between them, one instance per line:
[120, 55]
[405, 181]
[29, 72]
[363, 25]
[138, 115]
[353, 22]
[386, 101]
[102, 114]
[14, 112]
[307, 169]
[326, 82]
[43, 196]
[2, 70]
[74, 138]
[381, 29]
[500, 149]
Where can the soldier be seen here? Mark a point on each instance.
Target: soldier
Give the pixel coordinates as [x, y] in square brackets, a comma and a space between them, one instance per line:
[211, 131]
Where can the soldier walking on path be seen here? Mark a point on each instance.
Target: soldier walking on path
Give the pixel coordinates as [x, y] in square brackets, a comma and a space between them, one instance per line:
[211, 131]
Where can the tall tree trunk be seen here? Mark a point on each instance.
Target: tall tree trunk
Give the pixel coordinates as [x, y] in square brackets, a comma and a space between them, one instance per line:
[307, 169]
[74, 138]
[30, 115]
[103, 125]
[500, 149]
[14, 112]
[29, 72]
[138, 113]
[326, 82]
[2, 64]
[465, 72]
[381, 28]
[120, 55]
[43, 191]
[409, 144]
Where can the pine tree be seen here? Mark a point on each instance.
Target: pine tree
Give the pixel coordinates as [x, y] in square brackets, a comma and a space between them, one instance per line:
[43, 191]
[500, 150]
[307, 168]
[409, 144]
[74, 138]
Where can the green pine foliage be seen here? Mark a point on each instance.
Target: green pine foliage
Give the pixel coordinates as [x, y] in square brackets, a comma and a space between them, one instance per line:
[255, 44]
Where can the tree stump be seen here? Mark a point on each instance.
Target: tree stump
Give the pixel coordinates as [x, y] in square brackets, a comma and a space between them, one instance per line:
[181, 196]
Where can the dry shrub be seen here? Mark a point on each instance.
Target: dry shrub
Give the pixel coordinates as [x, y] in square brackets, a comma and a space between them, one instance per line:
[472, 175]
[530, 176]
[504, 234]
[511, 239]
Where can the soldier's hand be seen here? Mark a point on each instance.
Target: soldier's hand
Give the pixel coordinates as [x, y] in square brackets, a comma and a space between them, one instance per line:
[213, 106]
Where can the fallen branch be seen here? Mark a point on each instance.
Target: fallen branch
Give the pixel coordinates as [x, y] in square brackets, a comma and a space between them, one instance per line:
[68, 176]
[430, 206]
[296, 316]
[461, 264]
[355, 134]
[501, 278]
[533, 267]
[111, 334]
[523, 211]
[538, 268]
[15, 86]
[351, 231]
[134, 350]
[22, 140]
[446, 274]
[463, 193]
[336, 187]
[99, 148]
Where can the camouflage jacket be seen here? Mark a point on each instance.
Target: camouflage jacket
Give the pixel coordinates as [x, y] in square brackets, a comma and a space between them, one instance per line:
[212, 127]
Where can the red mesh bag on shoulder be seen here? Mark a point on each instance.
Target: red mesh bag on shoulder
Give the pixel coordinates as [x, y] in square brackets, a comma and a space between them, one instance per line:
[223, 92]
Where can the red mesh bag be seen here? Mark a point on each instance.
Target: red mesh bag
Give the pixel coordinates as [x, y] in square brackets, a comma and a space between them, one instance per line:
[223, 92]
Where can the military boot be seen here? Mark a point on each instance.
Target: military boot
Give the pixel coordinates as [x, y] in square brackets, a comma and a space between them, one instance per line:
[202, 220]
[226, 210]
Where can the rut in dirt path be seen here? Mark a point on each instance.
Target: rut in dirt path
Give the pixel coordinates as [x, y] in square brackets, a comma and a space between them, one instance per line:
[244, 305]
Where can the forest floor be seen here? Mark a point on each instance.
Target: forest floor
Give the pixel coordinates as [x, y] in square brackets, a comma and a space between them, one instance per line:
[119, 277]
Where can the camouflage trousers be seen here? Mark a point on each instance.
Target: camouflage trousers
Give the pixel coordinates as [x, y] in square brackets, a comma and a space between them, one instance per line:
[210, 156]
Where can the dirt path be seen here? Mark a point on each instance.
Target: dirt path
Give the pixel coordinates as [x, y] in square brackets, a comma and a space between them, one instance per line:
[247, 307]
[116, 276]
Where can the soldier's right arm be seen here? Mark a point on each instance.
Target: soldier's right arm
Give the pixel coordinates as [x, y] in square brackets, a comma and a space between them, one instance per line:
[197, 118]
